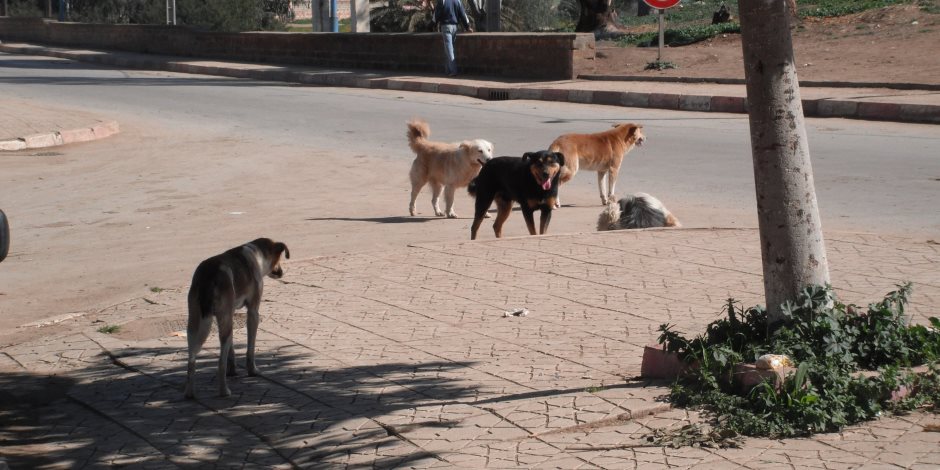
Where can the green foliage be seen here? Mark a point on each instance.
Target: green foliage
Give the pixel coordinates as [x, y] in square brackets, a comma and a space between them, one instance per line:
[831, 342]
[660, 65]
[402, 16]
[679, 36]
[828, 8]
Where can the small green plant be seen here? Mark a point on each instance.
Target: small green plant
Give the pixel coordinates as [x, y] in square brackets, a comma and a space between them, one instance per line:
[156, 290]
[109, 329]
[594, 389]
[831, 342]
[660, 65]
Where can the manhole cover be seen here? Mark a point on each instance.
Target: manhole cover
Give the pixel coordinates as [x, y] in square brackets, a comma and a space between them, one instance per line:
[162, 327]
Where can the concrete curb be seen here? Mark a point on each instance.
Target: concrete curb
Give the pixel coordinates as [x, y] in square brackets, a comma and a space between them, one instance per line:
[63, 137]
[741, 81]
[827, 108]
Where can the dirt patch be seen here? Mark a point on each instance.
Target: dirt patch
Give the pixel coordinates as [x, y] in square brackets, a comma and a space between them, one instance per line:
[893, 45]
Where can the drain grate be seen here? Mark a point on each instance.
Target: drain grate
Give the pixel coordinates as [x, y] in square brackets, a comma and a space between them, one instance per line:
[499, 95]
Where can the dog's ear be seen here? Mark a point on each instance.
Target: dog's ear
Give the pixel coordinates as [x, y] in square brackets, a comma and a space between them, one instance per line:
[464, 147]
[560, 157]
[528, 156]
[282, 248]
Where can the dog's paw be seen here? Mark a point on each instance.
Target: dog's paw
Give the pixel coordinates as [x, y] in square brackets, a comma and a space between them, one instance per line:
[486, 215]
[451, 215]
[412, 212]
[254, 371]
[188, 393]
[225, 392]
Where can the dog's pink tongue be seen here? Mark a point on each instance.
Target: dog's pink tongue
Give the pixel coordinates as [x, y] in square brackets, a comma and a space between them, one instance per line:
[547, 184]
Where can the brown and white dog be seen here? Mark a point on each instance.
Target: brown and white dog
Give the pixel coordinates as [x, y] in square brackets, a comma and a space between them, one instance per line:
[638, 211]
[221, 285]
[602, 152]
[446, 166]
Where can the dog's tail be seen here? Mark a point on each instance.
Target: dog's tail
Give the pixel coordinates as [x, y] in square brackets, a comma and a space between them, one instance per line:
[472, 187]
[418, 133]
[609, 218]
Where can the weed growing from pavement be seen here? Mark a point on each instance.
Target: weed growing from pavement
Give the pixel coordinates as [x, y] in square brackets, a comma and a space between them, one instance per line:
[156, 290]
[108, 329]
[831, 342]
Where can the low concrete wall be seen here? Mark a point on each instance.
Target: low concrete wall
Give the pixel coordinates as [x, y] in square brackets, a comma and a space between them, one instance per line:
[548, 56]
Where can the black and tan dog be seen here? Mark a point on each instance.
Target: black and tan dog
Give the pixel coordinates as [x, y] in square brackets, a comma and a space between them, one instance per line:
[221, 285]
[532, 181]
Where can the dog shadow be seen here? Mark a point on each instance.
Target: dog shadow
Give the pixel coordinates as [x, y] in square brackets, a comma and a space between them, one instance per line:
[379, 220]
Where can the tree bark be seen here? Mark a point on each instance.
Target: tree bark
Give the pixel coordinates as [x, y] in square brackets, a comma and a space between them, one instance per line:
[596, 15]
[792, 247]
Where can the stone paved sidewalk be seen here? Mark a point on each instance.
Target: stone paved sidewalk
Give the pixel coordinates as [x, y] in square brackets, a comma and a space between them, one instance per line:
[404, 359]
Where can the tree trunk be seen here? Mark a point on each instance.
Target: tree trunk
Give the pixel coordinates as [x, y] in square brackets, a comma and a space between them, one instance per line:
[596, 15]
[792, 247]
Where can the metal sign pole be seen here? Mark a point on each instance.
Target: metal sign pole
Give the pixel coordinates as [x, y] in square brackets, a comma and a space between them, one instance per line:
[659, 57]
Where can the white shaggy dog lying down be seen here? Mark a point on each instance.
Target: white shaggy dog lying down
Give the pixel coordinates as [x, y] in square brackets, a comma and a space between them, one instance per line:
[638, 211]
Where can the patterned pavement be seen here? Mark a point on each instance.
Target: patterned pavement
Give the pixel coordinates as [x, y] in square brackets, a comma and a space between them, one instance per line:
[405, 358]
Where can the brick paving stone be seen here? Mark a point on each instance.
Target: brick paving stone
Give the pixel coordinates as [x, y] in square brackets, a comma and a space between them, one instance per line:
[405, 359]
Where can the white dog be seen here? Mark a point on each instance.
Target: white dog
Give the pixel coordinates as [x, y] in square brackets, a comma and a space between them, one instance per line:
[445, 166]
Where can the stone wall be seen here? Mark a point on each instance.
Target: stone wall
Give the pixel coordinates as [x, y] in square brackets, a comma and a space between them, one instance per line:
[543, 56]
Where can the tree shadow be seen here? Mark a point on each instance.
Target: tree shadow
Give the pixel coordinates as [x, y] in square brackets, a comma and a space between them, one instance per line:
[127, 410]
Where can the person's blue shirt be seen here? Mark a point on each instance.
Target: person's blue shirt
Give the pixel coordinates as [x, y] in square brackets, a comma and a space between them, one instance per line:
[451, 12]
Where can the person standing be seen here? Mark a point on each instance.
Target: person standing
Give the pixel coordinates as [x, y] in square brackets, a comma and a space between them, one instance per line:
[447, 13]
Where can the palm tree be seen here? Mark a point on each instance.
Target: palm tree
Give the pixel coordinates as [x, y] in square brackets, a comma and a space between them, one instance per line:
[402, 15]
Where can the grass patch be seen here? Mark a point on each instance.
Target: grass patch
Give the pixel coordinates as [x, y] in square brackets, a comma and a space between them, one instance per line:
[660, 65]
[109, 329]
[679, 36]
[831, 342]
[156, 290]
[829, 8]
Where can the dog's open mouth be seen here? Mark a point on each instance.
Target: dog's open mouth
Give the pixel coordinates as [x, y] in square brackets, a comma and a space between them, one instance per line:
[547, 184]
[482, 161]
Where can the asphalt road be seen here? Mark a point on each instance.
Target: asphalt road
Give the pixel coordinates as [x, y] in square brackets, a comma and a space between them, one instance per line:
[204, 163]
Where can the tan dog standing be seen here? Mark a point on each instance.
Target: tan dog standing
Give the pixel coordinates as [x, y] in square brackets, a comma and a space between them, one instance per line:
[445, 166]
[602, 152]
[222, 284]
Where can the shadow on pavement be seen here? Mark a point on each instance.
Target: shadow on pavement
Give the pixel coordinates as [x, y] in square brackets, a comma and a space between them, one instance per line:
[127, 409]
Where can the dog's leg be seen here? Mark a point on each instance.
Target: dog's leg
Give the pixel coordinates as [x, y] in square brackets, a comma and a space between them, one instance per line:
[225, 320]
[503, 209]
[601, 186]
[449, 200]
[481, 205]
[527, 213]
[197, 330]
[436, 197]
[254, 318]
[416, 186]
[612, 184]
[544, 218]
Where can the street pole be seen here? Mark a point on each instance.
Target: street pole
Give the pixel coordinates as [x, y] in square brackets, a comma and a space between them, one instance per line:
[334, 18]
[492, 15]
[659, 56]
[174, 12]
[61, 10]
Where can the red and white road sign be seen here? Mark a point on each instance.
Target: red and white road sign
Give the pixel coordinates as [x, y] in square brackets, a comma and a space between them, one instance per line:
[661, 4]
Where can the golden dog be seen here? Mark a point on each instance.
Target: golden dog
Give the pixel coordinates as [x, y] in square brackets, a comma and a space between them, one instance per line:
[602, 152]
[445, 166]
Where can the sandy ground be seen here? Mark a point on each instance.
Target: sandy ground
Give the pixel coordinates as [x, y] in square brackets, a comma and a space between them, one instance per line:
[896, 44]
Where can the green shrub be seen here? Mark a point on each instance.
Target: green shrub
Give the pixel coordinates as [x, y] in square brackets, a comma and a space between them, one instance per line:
[830, 341]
